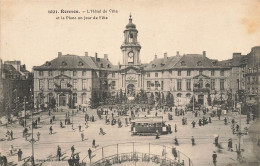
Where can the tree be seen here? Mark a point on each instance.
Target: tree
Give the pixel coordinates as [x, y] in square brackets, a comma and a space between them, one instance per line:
[151, 99]
[169, 99]
[94, 100]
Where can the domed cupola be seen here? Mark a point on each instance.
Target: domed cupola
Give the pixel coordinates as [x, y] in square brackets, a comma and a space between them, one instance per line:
[130, 24]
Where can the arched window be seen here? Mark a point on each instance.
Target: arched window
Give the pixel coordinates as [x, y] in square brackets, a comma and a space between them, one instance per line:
[179, 95]
[131, 37]
[188, 95]
[49, 97]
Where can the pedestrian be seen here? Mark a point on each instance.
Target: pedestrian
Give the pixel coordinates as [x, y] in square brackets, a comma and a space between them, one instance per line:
[214, 157]
[94, 143]
[209, 119]
[230, 144]
[50, 121]
[12, 135]
[216, 141]
[4, 160]
[72, 150]
[200, 122]
[51, 130]
[193, 124]
[59, 152]
[176, 141]
[192, 141]
[175, 128]
[38, 136]
[79, 128]
[237, 127]
[89, 153]
[61, 125]
[82, 136]
[77, 160]
[20, 153]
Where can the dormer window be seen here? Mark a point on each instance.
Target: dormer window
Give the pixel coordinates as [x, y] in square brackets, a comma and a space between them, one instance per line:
[199, 63]
[64, 63]
[153, 65]
[80, 64]
[47, 63]
[214, 63]
[101, 65]
[108, 66]
[230, 63]
[162, 64]
[183, 63]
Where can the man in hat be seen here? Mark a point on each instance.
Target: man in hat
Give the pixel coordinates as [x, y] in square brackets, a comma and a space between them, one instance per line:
[214, 157]
[59, 152]
[20, 153]
[230, 144]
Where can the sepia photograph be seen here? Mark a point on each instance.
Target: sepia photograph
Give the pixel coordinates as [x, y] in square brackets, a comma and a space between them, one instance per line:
[129, 83]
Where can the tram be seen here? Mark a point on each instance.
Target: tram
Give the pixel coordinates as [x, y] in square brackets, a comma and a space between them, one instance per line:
[149, 126]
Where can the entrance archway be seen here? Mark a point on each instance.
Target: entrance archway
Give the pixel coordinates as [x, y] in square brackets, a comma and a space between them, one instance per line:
[201, 99]
[62, 100]
[130, 90]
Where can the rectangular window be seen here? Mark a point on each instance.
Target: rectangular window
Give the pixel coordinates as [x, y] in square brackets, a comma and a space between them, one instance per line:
[63, 84]
[188, 72]
[212, 84]
[222, 84]
[200, 72]
[148, 74]
[49, 73]
[84, 84]
[188, 84]
[62, 72]
[162, 85]
[221, 72]
[41, 84]
[113, 84]
[84, 73]
[40, 73]
[156, 74]
[148, 84]
[179, 72]
[50, 84]
[212, 73]
[178, 84]
[113, 74]
[74, 73]
[75, 84]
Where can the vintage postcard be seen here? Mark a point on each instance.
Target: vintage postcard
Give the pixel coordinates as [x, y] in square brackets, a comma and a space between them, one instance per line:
[144, 83]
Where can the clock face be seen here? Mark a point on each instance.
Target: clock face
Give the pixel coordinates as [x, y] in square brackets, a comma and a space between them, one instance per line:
[131, 57]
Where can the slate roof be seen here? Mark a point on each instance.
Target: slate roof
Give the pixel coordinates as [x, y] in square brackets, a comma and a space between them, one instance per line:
[162, 64]
[75, 62]
[8, 68]
[197, 61]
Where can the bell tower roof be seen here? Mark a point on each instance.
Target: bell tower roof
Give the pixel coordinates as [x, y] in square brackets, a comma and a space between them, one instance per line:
[130, 24]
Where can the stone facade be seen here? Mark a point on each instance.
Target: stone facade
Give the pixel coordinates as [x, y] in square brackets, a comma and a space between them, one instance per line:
[71, 76]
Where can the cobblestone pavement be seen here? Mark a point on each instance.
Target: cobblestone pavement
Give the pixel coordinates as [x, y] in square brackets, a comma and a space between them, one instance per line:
[200, 154]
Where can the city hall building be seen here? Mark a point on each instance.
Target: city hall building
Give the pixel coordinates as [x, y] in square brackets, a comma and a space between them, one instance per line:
[183, 75]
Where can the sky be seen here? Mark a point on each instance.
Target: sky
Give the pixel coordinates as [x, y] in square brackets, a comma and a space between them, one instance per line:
[220, 27]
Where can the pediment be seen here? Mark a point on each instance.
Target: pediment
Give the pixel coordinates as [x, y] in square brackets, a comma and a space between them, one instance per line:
[62, 76]
[131, 70]
[201, 76]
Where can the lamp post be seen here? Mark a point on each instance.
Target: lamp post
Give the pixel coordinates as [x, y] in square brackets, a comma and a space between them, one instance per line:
[24, 111]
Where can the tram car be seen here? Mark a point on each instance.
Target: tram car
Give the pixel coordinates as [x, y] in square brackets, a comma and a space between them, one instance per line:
[149, 126]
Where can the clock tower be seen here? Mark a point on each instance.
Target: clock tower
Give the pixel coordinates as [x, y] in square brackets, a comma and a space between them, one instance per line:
[130, 47]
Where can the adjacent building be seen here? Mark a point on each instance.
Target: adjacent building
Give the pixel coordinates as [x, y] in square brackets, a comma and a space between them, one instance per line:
[16, 84]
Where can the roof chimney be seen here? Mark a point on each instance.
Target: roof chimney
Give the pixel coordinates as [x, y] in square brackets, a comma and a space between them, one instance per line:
[86, 53]
[177, 53]
[59, 54]
[204, 54]
[155, 56]
[165, 56]
[106, 56]
[96, 56]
